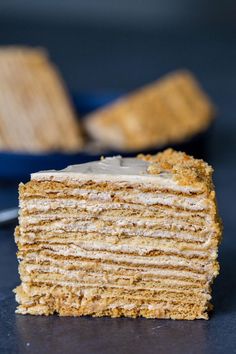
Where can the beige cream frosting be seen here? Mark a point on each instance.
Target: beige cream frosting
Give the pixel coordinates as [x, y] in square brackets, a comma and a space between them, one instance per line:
[115, 165]
[117, 169]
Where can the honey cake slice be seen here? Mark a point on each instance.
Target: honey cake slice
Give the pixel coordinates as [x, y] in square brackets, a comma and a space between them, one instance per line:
[36, 114]
[119, 237]
[168, 111]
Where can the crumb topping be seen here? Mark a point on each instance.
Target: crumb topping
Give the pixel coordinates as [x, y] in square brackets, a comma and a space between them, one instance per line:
[185, 169]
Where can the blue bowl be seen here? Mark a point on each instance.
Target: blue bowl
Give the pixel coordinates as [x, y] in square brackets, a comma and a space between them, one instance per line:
[16, 166]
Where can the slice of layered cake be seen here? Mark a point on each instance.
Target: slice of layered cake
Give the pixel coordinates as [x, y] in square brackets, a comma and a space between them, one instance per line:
[36, 114]
[168, 111]
[119, 237]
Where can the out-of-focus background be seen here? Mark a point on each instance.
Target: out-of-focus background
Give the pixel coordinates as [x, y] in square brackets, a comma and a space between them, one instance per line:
[118, 45]
[115, 46]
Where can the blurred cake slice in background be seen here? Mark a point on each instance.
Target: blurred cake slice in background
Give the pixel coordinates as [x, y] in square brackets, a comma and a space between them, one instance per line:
[35, 112]
[168, 111]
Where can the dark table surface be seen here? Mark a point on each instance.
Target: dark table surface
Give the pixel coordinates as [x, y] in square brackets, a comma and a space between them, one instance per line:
[111, 59]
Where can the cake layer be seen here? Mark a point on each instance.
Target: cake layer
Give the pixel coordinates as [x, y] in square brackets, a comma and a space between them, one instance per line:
[149, 297]
[170, 223]
[132, 281]
[115, 170]
[181, 278]
[67, 301]
[35, 289]
[116, 230]
[44, 183]
[87, 210]
[197, 203]
[57, 277]
[147, 245]
[129, 228]
[160, 261]
[105, 271]
[75, 207]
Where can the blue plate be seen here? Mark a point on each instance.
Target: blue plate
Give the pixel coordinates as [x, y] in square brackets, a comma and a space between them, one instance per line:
[19, 166]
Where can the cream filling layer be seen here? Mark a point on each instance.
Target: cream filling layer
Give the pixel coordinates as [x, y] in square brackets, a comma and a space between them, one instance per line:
[192, 203]
[60, 226]
[47, 256]
[130, 221]
[45, 205]
[172, 294]
[157, 261]
[31, 271]
[133, 276]
[125, 246]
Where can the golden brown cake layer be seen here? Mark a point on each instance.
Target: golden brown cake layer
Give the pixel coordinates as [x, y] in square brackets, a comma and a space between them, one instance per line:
[66, 301]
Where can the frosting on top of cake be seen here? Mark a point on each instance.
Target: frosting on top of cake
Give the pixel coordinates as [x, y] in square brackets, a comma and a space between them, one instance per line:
[119, 169]
[116, 165]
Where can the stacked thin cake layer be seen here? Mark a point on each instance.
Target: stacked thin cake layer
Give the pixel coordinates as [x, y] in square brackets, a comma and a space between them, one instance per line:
[119, 237]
